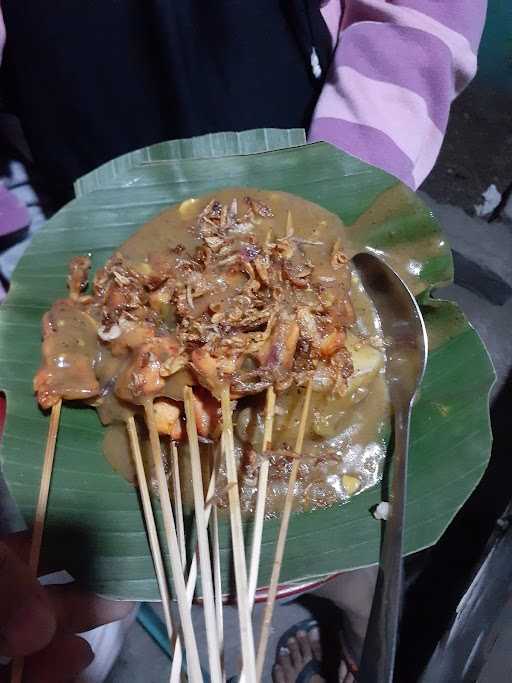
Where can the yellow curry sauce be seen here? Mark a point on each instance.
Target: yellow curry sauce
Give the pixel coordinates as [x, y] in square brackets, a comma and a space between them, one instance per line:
[246, 287]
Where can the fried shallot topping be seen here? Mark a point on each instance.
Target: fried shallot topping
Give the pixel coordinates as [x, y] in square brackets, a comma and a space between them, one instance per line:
[237, 310]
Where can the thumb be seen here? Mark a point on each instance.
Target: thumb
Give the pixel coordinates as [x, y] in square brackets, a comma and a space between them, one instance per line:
[27, 620]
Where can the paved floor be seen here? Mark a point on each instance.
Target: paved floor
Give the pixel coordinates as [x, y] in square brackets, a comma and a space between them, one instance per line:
[142, 660]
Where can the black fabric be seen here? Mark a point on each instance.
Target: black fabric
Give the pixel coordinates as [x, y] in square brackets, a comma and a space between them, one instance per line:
[92, 79]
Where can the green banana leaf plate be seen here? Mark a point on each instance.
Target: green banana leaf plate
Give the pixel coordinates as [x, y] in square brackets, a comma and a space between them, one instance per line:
[94, 525]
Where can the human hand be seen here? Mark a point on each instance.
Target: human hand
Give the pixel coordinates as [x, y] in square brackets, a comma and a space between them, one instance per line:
[40, 623]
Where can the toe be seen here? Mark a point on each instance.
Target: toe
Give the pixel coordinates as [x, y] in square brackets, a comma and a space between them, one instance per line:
[305, 645]
[343, 671]
[285, 662]
[278, 674]
[295, 654]
[345, 675]
[314, 640]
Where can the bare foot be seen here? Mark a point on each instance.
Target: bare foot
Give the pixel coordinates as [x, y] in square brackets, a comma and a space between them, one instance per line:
[300, 661]
[301, 652]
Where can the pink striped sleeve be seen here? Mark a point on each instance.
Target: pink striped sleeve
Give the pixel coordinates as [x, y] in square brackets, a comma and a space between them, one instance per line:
[2, 34]
[397, 66]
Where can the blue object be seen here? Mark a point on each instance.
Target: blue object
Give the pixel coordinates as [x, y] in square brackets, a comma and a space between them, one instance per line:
[155, 627]
[495, 55]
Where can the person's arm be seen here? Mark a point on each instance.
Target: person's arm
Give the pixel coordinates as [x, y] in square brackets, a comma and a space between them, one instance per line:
[397, 66]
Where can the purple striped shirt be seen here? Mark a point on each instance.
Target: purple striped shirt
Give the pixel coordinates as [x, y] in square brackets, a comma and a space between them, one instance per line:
[396, 68]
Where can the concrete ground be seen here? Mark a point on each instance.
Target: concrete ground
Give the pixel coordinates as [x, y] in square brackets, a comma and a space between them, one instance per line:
[142, 660]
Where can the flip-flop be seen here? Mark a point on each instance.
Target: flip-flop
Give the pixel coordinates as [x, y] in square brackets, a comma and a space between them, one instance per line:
[314, 666]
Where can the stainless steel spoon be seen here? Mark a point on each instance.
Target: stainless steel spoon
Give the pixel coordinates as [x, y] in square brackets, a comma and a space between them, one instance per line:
[406, 357]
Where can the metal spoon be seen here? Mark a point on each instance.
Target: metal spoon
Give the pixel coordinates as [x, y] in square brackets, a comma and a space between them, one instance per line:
[406, 357]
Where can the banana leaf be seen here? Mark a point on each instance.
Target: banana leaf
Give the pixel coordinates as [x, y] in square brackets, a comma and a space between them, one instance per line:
[94, 524]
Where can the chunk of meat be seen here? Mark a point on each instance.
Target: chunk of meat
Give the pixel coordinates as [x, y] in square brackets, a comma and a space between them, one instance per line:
[308, 327]
[160, 298]
[132, 336]
[206, 370]
[167, 418]
[50, 321]
[145, 372]
[278, 351]
[141, 377]
[206, 411]
[332, 343]
[69, 353]
[68, 376]
[78, 277]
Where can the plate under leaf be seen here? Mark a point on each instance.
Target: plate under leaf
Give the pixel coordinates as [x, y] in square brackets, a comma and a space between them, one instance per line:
[94, 522]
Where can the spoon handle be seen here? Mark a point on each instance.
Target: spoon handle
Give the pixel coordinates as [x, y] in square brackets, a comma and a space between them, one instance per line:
[378, 658]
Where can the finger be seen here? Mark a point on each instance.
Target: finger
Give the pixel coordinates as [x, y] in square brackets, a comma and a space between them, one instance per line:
[19, 543]
[78, 611]
[27, 620]
[60, 662]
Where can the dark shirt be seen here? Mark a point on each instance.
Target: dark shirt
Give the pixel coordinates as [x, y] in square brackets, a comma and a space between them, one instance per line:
[93, 79]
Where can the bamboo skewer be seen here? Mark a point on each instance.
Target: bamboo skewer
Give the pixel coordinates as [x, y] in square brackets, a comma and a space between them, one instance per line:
[281, 539]
[217, 576]
[193, 667]
[178, 504]
[202, 539]
[176, 674]
[177, 660]
[217, 580]
[44, 489]
[40, 514]
[244, 609]
[192, 579]
[259, 512]
[149, 518]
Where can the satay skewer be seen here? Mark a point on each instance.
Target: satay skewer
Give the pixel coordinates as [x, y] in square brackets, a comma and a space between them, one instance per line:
[192, 575]
[44, 488]
[259, 512]
[217, 575]
[237, 538]
[178, 504]
[202, 540]
[176, 675]
[281, 539]
[193, 667]
[40, 514]
[152, 532]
